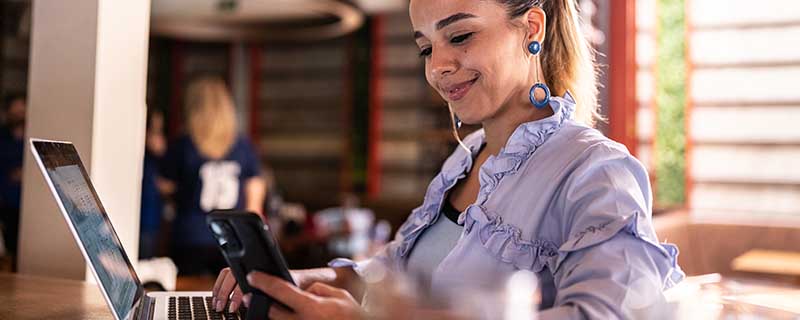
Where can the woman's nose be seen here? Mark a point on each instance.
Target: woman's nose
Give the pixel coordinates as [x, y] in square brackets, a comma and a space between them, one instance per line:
[442, 63]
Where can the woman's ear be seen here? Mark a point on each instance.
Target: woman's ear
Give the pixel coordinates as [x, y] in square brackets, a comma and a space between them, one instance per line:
[535, 23]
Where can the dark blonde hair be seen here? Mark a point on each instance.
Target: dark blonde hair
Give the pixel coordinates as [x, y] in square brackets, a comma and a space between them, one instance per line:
[567, 58]
[211, 116]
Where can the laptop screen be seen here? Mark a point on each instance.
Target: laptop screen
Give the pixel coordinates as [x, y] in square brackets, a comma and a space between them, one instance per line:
[91, 224]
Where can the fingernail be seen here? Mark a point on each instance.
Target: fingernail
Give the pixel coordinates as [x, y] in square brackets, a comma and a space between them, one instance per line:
[246, 299]
[220, 306]
[232, 307]
[250, 277]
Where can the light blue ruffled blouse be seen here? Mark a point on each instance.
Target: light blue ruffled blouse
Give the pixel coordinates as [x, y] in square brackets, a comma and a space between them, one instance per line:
[560, 200]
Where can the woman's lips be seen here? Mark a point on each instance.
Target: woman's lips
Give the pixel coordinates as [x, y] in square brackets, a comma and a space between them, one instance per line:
[458, 91]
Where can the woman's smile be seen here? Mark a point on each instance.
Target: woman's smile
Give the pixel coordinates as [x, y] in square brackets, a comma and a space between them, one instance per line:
[457, 91]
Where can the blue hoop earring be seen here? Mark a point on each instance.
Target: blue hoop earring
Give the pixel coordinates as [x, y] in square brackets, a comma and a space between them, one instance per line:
[544, 102]
[534, 48]
[457, 121]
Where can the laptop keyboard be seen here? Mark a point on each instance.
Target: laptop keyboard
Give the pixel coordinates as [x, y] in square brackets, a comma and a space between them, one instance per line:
[189, 308]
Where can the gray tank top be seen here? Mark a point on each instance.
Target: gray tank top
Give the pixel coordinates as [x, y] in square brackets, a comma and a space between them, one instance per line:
[433, 245]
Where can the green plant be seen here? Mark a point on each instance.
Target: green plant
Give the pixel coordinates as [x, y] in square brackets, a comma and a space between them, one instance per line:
[670, 146]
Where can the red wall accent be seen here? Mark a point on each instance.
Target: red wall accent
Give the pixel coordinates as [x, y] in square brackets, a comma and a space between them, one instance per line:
[622, 74]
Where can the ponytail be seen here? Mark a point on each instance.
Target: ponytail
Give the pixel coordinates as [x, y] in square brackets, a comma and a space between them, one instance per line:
[567, 59]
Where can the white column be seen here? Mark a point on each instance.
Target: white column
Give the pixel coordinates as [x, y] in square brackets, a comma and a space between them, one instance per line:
[87, 85]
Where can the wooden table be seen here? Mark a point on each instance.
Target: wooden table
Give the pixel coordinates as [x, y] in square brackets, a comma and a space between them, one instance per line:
[29, 297]
[769, 262]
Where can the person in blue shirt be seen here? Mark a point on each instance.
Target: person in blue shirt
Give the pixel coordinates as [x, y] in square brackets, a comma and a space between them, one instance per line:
[211, 167]
[152, 202]
[536, 189]
[12, 135]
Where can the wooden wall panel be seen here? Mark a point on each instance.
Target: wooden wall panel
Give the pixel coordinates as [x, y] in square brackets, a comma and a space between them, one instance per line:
[765, 199]
[767, 46]
[718, 86]
[733, 13]
[746, 109]
[761, 164]
[752, 125]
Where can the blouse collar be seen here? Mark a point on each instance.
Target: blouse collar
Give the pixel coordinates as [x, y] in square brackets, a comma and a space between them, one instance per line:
[526, 137]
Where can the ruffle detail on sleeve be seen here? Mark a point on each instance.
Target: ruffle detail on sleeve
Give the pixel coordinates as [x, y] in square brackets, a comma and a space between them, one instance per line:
[600, 233]
[504, 241]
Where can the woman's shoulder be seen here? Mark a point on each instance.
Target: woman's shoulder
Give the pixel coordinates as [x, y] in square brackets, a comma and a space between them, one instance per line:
[580, 158]
[583, 138]
[576, 146]
[242, 144]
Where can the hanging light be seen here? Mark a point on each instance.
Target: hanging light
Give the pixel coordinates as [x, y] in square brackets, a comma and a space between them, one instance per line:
[254, 20]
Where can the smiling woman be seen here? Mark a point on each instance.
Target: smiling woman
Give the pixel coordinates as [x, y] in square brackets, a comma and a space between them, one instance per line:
[536, 189]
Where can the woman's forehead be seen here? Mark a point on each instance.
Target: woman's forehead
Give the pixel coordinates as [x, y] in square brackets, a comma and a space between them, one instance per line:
[425, 14]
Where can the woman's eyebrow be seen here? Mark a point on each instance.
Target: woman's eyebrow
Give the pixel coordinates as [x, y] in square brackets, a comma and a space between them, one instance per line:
[447, 21]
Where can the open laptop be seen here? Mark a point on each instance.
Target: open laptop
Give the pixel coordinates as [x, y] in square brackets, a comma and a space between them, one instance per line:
[78, 201]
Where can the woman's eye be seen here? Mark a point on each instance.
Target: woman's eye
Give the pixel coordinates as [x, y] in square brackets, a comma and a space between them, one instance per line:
[425, 52]
[461, 38]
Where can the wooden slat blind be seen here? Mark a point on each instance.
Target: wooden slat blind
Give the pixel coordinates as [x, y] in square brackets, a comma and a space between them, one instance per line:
[745, 108]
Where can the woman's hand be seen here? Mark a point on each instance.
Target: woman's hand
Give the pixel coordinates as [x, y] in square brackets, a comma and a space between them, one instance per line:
[223, 287]
[319, 301]
[227, 290]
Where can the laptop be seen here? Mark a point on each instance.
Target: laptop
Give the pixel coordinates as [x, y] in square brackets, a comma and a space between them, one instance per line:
[78, 201]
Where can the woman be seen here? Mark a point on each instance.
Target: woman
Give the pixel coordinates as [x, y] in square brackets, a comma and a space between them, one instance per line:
[537, 190]
[212, 167]
[152, 204]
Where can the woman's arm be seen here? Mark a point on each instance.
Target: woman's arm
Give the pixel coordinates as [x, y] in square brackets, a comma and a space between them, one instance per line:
[616, 279]
[165, 186]
[226, 288]
[343, 278]
[611, 265]
[255, 192]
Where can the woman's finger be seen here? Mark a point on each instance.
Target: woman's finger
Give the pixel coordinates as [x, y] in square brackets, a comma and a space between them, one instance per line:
[221, 277]
[277, 312]
[224, 292]
[324, 290]
[246, 299]
[236, 300]
[280, 290]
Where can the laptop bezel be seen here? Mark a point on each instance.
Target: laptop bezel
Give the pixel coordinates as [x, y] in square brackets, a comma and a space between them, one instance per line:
[139, 288]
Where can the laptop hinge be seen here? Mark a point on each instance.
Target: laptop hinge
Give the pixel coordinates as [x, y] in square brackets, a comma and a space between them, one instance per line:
[145, 309]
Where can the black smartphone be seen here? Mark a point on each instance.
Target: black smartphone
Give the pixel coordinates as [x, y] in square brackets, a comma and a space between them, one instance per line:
[248, 245]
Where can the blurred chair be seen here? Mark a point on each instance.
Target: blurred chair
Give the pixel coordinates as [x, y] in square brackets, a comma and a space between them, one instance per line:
[347, 229]
[709, 246]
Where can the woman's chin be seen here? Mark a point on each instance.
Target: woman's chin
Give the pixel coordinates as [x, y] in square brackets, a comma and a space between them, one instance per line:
[466, 116]
[469, 120]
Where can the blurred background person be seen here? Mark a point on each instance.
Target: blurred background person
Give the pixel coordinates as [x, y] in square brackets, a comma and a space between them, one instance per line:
[11, 149]
[211, 167]
[152, 204]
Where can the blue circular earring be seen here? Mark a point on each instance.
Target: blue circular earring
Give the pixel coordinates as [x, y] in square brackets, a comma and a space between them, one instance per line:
[534, 48]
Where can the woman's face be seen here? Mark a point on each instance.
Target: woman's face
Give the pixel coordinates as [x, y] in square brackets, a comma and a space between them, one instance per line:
[474, 58]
